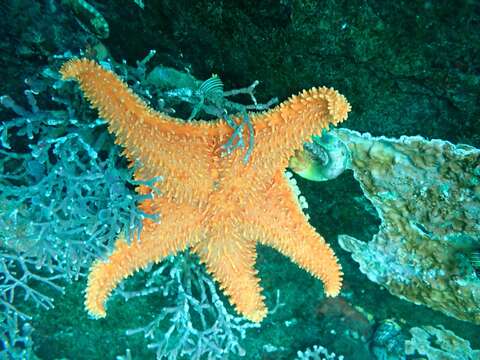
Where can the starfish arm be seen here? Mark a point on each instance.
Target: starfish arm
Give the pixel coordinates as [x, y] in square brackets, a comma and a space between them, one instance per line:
[151, 137]
[177, 230]
[282, 130]
[231, 262]
[288, 231]
[311, 253]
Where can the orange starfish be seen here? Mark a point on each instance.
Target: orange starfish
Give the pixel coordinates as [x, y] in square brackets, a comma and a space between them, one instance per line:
[218, 206]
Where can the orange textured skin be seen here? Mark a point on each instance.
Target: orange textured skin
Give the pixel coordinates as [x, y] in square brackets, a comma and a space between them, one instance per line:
[216, 205]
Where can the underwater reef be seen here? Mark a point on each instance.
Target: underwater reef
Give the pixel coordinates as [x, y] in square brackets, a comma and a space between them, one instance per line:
[427, 195]
[394, 192]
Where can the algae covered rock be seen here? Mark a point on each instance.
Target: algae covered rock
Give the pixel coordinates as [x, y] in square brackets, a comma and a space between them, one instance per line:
[427, 195]
[438, 343]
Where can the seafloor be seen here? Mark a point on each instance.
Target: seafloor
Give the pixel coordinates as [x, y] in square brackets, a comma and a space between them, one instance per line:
[406, 67]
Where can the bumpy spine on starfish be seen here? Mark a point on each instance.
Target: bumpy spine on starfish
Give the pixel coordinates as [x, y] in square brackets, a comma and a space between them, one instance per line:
[151, 137]
[283, 129]
[232, 204]
[157, 241]
[148, 136]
